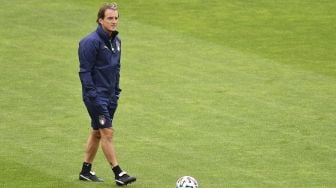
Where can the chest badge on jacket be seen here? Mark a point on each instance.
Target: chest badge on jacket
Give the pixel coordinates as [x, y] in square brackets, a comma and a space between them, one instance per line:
[118, 46]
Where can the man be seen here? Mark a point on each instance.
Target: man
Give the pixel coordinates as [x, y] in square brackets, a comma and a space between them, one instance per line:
[99, 57]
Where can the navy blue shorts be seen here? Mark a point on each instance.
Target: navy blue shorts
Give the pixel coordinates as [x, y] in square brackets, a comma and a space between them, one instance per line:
[101, 111]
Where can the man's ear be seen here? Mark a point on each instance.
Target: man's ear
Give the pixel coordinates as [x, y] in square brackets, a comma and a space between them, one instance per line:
[100, 21]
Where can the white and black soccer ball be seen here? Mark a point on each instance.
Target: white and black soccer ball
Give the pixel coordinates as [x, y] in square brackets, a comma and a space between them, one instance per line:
[186, 182]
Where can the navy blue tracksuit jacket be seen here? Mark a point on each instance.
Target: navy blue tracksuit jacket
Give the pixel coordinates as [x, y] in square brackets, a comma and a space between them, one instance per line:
[99, 57]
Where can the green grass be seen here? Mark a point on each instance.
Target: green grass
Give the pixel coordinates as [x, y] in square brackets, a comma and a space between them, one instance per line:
[234, 93]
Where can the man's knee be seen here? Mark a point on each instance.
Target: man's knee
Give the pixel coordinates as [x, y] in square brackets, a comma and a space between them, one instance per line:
[96, 134]
[106, 133]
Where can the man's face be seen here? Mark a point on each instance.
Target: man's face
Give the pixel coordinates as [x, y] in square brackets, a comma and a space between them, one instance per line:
[110, 21]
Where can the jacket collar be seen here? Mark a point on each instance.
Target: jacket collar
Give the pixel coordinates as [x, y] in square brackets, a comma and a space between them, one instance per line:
[105, 35]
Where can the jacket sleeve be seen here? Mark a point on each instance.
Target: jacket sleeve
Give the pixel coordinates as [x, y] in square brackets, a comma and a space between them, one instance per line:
[87, 53]
[117, 88]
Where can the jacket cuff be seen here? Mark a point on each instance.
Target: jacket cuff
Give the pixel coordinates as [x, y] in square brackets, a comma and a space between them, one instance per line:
[91, 93]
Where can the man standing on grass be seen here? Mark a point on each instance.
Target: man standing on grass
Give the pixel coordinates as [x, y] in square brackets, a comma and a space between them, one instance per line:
[99, 57]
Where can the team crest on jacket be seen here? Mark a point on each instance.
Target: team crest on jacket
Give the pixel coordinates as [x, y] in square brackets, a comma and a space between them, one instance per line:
[118, 46]
[102, 120]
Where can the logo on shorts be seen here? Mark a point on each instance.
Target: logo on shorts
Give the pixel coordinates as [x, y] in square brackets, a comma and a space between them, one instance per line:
[102, 120]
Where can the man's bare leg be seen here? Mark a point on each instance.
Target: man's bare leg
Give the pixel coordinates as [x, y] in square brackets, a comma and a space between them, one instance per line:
[121, 177]
[107, 146]
[92, 146]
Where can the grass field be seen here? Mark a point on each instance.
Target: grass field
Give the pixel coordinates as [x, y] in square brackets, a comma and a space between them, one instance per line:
[234, 93]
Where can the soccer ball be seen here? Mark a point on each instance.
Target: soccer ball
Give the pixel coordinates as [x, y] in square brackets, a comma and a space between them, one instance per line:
[186, 182]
